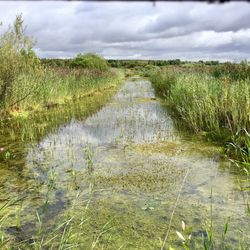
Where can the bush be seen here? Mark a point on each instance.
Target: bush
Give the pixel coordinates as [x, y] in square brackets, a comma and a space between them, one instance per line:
[89, 61]
[148, 70]
[17, 58]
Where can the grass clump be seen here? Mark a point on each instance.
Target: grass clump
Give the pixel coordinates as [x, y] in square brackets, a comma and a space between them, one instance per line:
[61, 85]
[163, 83]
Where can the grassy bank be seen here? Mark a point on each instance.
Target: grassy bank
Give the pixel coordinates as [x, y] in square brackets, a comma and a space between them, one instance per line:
[217, 104]
[70, 98]
[213, 102]
[58, 86]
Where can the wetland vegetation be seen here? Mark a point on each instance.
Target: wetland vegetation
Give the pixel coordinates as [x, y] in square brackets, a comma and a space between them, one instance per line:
[89, 163]
[215, 101]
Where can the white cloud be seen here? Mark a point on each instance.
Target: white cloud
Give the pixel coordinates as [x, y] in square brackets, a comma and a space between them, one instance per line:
[136, 30]
[212, 38]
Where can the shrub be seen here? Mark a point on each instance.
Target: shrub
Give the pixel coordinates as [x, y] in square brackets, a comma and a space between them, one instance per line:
[149, 69]
[16, 57]
[89, 61]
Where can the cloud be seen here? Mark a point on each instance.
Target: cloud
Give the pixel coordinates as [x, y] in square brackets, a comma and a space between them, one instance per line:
[190, 31]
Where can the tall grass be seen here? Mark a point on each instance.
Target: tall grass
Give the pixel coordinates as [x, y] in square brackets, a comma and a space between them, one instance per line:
[55, 86]
[231, 70]
[217, 105]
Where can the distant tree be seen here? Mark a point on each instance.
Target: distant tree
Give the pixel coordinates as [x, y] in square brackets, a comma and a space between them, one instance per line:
[212, 62]
[174, 62]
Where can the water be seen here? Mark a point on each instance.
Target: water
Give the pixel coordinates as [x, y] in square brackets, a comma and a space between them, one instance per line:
[118, 174]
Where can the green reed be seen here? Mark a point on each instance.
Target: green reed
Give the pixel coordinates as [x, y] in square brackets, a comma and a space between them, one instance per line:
[204, 103]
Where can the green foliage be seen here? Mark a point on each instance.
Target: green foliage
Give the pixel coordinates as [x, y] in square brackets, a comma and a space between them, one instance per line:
[163, 83]
[129, 64]
[56, 62]
[89, 61]
[149, 70]
[240, 148]
[234, 72]
[70, 83]
[211, 62]
[17, 58]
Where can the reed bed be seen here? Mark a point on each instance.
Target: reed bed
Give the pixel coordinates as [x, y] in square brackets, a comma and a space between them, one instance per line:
[217, 105]
[55, 86]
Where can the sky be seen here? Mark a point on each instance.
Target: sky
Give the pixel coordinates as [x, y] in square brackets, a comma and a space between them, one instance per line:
[135, 30]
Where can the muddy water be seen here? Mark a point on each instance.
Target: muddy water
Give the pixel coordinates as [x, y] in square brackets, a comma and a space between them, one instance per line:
[123, 169]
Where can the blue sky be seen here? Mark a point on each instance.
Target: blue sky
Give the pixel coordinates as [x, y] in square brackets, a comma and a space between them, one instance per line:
[189, 31]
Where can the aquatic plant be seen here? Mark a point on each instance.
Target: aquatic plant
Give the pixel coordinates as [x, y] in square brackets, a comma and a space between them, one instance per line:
[173, 211]
[163, 83]
[89, 154]
[240, 147]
